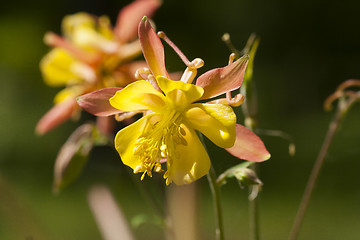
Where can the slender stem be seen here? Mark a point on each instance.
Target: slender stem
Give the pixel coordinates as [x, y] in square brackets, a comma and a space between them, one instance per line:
[254, 225]
[217, 206]
[254, 214]
[250, 111]
[315, 174]
[215, 191]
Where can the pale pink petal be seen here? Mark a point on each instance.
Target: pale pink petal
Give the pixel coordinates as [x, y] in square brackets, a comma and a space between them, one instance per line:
[152, 47]
[55, 40]
[97, 103]
[56, 115]
[129, 17]
[248, 146]
[221, 80]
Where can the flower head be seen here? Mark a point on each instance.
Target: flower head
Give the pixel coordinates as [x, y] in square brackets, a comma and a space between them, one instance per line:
[91, 55]
[167, 133]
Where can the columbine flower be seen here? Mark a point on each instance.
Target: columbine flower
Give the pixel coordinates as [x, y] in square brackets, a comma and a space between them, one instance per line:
[168, 132]
[91, 55]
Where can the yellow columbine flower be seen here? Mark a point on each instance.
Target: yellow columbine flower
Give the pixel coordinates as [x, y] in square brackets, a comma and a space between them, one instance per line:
[166, 132]
[89, 56]
[169, 131]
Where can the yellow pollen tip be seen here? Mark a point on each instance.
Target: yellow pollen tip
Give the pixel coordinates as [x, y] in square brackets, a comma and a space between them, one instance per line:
[137, 169]
[157, 168]
[143, 176]
[149, 173]
[166, 175]
[167, 182]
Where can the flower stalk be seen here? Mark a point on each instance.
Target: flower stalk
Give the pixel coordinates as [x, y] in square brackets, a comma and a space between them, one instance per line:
[346, 99]
[314, 175]
[215, 191]
[250, 110]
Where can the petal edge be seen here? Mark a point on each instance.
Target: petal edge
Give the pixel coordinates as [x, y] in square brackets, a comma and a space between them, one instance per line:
[248, 146]
[221, 80]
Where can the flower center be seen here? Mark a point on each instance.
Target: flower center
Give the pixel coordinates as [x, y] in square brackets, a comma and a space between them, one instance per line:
[158, 144]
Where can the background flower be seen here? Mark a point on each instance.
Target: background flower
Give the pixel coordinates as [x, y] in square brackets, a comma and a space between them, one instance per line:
[91, 55]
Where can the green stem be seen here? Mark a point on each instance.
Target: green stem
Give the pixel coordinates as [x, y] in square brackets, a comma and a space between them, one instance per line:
[217, 206]
[315, 174]
[254, 225]
[254, 214]
[215, 191]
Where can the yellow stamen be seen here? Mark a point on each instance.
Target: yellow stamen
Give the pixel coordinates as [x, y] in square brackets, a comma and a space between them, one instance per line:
[168, 181]
[157, 167]
[137, 169]
[142, 176]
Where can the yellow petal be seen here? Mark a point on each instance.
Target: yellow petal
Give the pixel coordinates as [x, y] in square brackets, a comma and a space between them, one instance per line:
[125, 142]
[89, 32]
[191, 161]
[216, 121]
[105, 28]
[73, 21]
[140, 95]
[180, 93]
[56, 68]
[89, 39]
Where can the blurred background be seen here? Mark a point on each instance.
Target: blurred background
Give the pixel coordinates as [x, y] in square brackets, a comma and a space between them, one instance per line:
[307, 49]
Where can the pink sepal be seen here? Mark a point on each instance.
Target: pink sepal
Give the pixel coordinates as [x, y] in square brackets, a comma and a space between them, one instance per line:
[248, 146]
[97, 102]
[153, 49]
[56, 116]
[221, 80]
[128, 19]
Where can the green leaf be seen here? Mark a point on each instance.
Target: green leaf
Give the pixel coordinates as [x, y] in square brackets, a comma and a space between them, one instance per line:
[73, 156]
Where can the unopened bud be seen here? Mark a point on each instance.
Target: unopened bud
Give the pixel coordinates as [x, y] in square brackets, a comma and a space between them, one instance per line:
[247, 177]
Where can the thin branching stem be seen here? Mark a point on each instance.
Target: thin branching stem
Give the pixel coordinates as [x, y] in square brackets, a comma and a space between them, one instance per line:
[315, 174]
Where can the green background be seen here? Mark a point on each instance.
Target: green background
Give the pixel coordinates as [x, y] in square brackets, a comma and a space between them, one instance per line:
[307, 49]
